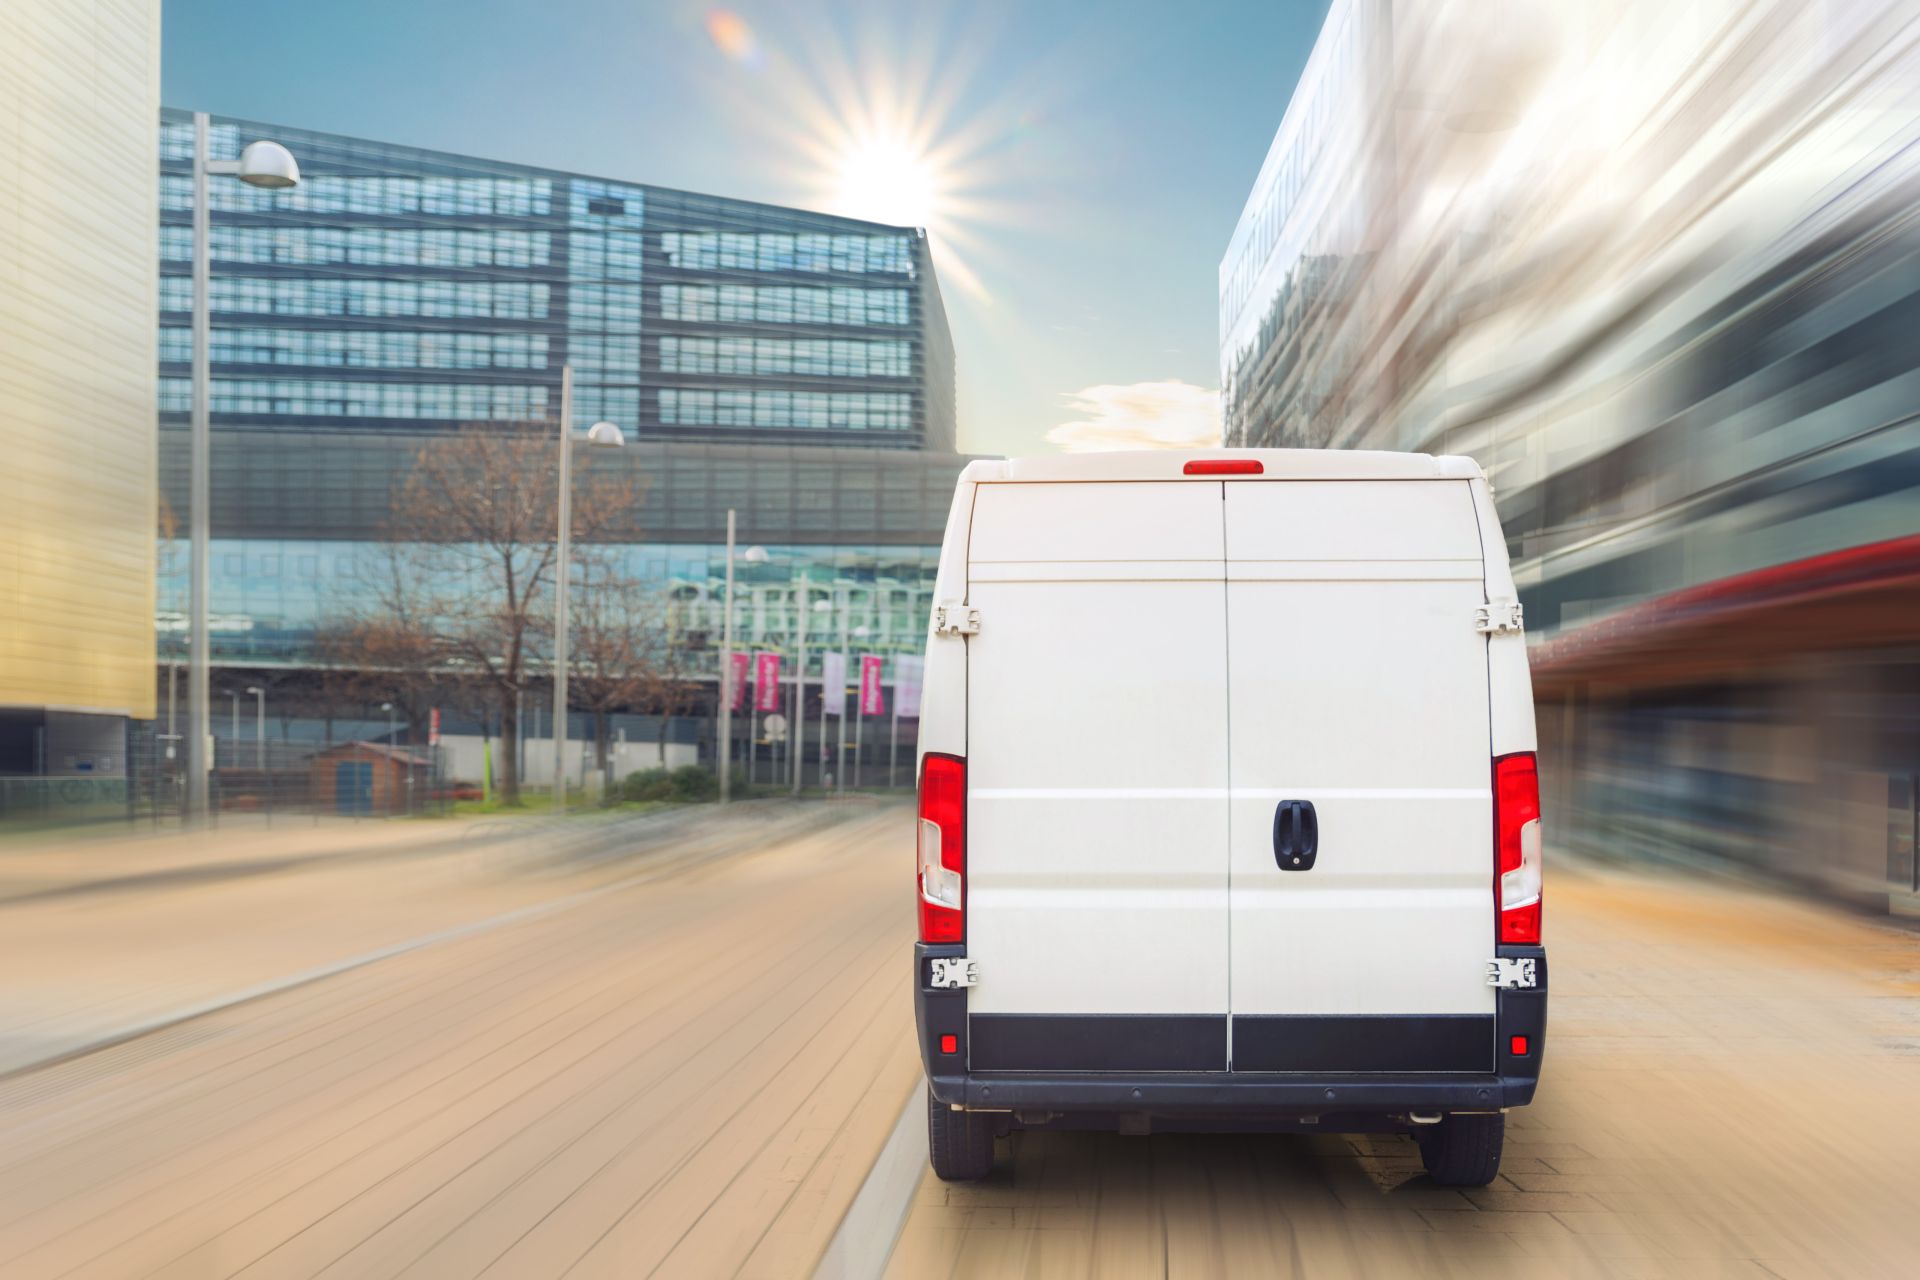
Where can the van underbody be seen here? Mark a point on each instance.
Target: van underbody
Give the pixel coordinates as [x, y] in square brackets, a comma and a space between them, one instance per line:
[1225, 1101]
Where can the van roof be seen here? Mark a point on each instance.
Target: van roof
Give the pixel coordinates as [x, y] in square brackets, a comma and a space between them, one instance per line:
[1169, 464]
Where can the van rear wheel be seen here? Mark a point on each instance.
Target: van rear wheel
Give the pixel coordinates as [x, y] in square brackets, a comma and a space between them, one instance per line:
[959, 1143]
[1463, 1150]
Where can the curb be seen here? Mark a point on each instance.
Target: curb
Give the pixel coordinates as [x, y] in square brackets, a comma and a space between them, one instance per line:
[863, 1244]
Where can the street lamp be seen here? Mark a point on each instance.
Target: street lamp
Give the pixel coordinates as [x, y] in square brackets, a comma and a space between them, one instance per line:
[393, 725]
[270, 166]
[601, 435]
[752, 555]
[259, 727]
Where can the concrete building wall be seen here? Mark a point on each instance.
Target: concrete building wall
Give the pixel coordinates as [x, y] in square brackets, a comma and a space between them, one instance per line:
[79, 96]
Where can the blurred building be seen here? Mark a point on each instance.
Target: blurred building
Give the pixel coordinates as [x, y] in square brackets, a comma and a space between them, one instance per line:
[79, 85]
[1656, 266]
[792, 365]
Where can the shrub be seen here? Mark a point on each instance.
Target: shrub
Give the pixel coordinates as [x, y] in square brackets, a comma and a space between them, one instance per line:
[693, 783]
[648, 784]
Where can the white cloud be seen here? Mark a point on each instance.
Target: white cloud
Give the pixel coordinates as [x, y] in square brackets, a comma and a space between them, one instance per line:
[1140, 415]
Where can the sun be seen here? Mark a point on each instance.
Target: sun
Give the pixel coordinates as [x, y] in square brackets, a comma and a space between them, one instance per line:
[886, 179]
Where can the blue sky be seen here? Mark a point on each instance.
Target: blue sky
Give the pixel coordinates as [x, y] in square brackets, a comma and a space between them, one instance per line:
[1084, 163]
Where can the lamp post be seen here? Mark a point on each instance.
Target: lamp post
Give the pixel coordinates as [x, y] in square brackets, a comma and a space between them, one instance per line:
[259, 727]
[601, 435]
[261, 164]
[753, 555]
[393, 725]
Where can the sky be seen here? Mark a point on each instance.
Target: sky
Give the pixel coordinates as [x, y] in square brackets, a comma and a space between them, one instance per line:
[1079, 167]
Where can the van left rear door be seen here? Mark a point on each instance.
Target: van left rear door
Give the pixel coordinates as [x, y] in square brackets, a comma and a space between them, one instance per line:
[1097, 773]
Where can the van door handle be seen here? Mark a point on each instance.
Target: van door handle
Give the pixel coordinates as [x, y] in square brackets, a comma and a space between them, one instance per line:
[1296, 835]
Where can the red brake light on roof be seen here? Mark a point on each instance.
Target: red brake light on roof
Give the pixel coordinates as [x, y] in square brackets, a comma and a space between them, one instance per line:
[941, 846]
[1224, 467]
[1516, 827]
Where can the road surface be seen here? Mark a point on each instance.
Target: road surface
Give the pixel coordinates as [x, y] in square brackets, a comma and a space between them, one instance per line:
[1731, 1088]
[684, 1067]
[682, 1058]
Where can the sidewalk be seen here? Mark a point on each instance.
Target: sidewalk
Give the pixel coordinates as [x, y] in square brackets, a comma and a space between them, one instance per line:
[686, 1070]
[101, 937]
[40, 862]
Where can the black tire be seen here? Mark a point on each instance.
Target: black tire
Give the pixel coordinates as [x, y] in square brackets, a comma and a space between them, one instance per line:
[1463, 1151]
[959, 1143]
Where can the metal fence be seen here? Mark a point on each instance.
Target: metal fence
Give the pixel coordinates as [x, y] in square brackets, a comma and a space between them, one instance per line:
[266, 779]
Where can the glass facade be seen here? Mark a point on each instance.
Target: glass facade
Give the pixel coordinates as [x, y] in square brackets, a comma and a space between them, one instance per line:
[410, 290]
[1656, 268]
[1676, 362]
[272, 596]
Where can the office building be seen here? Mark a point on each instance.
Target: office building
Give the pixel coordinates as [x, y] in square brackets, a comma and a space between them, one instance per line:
[79, 85]
[793, 366]
[1654, 267]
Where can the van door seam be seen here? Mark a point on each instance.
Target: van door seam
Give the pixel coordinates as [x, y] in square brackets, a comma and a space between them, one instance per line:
[1226, 642]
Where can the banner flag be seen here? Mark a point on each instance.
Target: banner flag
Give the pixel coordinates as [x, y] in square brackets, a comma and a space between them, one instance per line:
[873, 699]
[737, 691]
[906, 686]
[833, 682]
[766, 682]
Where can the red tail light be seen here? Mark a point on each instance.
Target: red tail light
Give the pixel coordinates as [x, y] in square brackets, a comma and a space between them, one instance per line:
[1224, 467]
[1516, 840]
[942, 849]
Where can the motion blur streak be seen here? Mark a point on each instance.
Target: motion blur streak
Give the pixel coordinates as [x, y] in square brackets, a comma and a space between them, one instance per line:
[667, 1043]
[1656, 267]
[1726, 1089]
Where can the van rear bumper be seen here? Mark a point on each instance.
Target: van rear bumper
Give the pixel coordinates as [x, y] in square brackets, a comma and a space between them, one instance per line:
[1231, 1091]
[1504, 1079]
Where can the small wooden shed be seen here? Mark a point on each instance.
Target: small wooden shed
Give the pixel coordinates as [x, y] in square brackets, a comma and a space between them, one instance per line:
[358, 778]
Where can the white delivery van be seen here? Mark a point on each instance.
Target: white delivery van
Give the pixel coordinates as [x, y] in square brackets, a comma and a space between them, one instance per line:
[1228, 814]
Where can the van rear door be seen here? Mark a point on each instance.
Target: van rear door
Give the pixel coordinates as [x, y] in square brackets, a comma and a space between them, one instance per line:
[1096, 897]
[1358, 685]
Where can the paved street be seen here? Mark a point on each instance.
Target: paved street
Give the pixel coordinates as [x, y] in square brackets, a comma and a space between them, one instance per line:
[681, 1054]
[685, 1066]
[1732, 1088]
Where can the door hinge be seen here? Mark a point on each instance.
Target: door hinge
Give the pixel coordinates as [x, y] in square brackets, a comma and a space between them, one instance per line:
[1510, 975]
[957, 972]
[956, 620]
[1499, 616]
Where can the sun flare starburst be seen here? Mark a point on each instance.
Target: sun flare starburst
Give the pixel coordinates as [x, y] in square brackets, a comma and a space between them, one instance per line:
[879, 133]
[885, 178]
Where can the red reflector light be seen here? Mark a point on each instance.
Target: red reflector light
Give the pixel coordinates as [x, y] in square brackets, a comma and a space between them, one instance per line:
[951, 1044]
[1516, 851]
[941, 848]
[1517, 1046]
[1224, 467]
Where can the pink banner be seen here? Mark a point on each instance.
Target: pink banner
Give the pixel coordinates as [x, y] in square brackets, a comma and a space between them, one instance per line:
[873, 699]
[906, 686]
[766, 682]
[737, 693]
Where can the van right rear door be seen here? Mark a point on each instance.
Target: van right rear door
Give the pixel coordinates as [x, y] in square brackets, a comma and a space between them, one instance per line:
[1096, 895]
[1358, 685]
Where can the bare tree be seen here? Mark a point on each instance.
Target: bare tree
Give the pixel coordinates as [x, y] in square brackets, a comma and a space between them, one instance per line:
[619, 639]
[670, 689]
[380, 657]
[470, 559]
